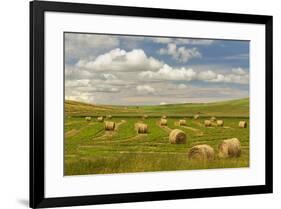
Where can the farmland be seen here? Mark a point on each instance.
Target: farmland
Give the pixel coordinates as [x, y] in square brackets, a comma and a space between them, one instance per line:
[89, 149]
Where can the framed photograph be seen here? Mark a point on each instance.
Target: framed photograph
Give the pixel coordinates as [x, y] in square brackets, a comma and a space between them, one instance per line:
[133, 104]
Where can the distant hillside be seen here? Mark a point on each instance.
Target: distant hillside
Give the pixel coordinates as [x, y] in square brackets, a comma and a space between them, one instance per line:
[226, 108]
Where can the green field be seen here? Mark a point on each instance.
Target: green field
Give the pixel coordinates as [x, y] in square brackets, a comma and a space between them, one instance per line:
[89, 149]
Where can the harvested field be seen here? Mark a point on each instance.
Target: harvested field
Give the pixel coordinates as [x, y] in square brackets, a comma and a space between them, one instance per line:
[90, 149]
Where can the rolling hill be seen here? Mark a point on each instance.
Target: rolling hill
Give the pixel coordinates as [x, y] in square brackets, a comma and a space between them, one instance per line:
[231, 108]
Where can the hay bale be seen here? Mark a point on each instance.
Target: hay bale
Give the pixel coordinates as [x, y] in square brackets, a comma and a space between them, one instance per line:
[196, 117]
[109, 116]
[182, 122]
[100, 119]
[164, 116]
[163, 122]
[142, 128]
[230, 148]
[220, 123]
[177, 137]
[88, 118]
[201, 152]
[242, 124]
[207, 123]
[213, 119]
[109, 125]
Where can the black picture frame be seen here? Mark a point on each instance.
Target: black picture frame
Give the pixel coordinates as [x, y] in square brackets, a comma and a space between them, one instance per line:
[37, 196]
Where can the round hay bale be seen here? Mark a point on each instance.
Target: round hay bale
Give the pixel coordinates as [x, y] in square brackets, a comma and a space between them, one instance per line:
[207, 123]
[177, 137]
[182, 122]
[163, 122]
[201, 152]
[196, 116]
[142, 128]
[164, 117]
[109, 116]
[220, 123]
[100, 119]
[88, 118]
[230, 148]
[242, 124]
[109, 125]
[213, 119]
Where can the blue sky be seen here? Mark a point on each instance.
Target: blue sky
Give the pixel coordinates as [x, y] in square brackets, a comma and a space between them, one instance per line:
[137, 70]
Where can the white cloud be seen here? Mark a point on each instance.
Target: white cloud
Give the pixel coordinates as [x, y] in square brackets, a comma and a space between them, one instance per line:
[181, 54]
[75, 73]
[232, 78]
[169, 73]
[80, 96]
[82, 45]
[239, 71]
[237, 57]
[77, 83]
[146, 89]
[106, 74]
[207, 75]
[182, 86]
[195, 41]
[120, 60]
[109, 81]
[83, 89]
[91, 40]
[162, 40]
[182, 41]
[89, 87]
[109, 76]
[238, 75]
[104, 88]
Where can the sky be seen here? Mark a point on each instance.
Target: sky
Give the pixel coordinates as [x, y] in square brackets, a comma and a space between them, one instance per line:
[143, 70]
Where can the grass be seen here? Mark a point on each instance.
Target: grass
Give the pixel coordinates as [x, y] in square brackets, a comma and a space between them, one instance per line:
[91, 150]
[237, 108]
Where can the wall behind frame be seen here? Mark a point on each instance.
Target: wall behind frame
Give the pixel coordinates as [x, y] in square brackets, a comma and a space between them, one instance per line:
[14, 105]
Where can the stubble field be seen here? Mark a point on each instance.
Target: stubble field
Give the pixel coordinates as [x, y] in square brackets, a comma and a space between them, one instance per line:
[90, 149]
